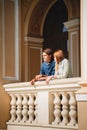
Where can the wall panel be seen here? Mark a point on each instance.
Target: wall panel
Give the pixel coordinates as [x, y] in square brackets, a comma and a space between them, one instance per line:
[11, 40]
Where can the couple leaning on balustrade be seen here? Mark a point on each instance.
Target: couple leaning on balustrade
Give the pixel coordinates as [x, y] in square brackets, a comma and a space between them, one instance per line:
[54, 66]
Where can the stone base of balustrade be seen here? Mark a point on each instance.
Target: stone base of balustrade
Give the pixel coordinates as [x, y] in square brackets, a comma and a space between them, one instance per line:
[26, 126]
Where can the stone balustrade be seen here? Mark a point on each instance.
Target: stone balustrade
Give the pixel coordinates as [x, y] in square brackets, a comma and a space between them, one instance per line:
[42, 106]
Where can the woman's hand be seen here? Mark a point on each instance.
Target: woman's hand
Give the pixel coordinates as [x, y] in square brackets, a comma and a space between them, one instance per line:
[48, 78]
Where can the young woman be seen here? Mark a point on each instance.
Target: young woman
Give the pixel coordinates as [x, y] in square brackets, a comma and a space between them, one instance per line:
[62, 67]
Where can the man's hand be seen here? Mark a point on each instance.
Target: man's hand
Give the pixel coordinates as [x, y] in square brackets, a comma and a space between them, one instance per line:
[37, 77]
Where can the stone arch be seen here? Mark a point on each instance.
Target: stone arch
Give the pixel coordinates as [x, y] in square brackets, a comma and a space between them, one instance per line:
[38, 16]
[37, 13]
[28, 16]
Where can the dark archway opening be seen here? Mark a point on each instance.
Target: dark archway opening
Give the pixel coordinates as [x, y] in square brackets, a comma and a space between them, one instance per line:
[55, 35]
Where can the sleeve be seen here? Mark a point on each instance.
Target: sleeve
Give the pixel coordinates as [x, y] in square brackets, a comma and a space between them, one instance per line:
[42, 69]
[53, 70]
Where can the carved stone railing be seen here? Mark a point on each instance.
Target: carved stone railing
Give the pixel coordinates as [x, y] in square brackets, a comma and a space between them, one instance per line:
[48, 106]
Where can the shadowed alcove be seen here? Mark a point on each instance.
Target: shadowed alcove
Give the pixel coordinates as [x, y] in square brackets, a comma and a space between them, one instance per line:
[55, 34]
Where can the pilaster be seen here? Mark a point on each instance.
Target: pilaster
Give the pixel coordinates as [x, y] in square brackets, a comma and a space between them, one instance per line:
[33, 56]
[74, 45]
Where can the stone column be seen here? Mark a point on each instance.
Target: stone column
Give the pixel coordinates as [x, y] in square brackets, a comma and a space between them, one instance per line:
[84, 39]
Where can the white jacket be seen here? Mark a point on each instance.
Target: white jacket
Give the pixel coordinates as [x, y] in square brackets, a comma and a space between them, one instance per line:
[64, 69]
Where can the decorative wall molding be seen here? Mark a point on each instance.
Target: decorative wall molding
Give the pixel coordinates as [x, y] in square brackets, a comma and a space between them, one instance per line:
[74, 55]
[33, 39]
[72, 25]
[16, 42]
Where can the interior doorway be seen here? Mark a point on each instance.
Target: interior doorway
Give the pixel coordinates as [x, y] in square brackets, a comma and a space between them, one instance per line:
[54, 33]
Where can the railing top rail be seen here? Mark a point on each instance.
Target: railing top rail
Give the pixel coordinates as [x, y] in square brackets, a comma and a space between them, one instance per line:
[65, 84]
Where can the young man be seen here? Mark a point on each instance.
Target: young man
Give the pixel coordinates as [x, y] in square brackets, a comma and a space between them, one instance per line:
[47, 68]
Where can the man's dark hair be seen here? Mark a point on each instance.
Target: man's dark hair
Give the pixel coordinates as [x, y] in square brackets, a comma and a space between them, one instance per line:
[48, 51]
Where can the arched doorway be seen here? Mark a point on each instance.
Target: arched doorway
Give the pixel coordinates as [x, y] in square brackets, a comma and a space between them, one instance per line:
[54, 33]
[44, 30]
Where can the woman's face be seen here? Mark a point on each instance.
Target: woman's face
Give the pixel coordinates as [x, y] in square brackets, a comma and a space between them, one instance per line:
[46, 57]
[56, 59]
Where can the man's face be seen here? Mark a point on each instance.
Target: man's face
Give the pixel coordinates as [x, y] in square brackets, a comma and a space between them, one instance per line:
[46, 57]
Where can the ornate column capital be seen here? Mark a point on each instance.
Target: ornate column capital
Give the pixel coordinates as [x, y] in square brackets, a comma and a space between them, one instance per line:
[72, 24]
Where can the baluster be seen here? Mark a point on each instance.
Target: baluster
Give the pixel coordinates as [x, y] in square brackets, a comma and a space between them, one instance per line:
[31, 108]
[57, 111]
[25, 108]
[64, 112]
[13, 108]
[19, 107]
[72, 112]
[36, 107]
